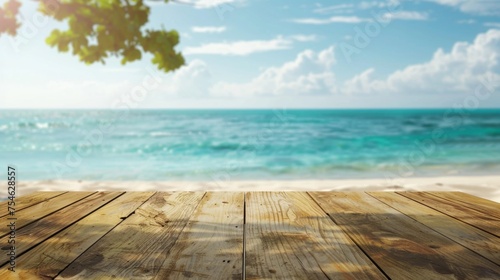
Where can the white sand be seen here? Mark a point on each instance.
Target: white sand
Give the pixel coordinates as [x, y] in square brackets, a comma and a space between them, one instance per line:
[483, 186]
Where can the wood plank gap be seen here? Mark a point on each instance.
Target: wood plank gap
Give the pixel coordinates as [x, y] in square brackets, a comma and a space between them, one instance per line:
[350, 238]
[122, 220]
[485, 228]
[32, 199]
[460, 198]
[26, 241]
[136, 248]
[211, 244]
[50, 257]
[290, 237]
[243, 263]
[26, 217]
[488, 250]
[405, 249]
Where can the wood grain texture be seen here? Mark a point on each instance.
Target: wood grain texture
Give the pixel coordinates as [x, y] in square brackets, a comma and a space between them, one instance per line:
[466, 235]
[456, 210]
[436, 235]
[44, 208]
[211, 245]
[42, 229]
[485, 206]
[28, 200]
[288, 236]
[54, 254]
[402, 247]
[136, 248]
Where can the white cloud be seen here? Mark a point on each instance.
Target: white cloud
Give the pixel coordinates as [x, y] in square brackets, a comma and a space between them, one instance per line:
[492, 24]
[334, 8]
[208, 29]
[406, 15]
[192, 79]
[459, 71]
[479, 7]
[467, 21]
[304, 38]
[346, 8]
[240, 47]
[334, 19]
[207, 4]
[309, 73]
[448, 2]
[378, 4]
[399, 15]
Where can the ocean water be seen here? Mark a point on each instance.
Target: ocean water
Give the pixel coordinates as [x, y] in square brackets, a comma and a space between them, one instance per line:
[248, 144]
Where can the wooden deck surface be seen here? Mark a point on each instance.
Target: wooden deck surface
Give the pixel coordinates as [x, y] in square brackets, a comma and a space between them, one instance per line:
[257, 235]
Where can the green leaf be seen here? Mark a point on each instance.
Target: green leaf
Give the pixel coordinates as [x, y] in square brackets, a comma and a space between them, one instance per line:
[97, 29]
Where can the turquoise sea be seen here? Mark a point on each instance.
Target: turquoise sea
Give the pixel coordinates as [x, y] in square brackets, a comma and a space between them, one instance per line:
[248, 144]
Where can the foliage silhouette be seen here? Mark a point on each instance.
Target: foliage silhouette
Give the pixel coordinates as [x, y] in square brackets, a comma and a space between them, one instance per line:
[98, 29]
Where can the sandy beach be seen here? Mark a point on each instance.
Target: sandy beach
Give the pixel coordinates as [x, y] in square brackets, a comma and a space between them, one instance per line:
[487, 187]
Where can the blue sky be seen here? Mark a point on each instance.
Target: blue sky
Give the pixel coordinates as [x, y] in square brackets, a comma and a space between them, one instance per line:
[277, 54]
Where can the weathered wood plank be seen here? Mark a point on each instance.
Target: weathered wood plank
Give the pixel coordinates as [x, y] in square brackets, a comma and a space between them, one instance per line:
[451, 208]
[49, 258]
[28, 200]
[288, 236]
[136, 248]
[211, 245]
[37, 232]
[44, 208]
[468, 236]
[401, 246]
[488, 207]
